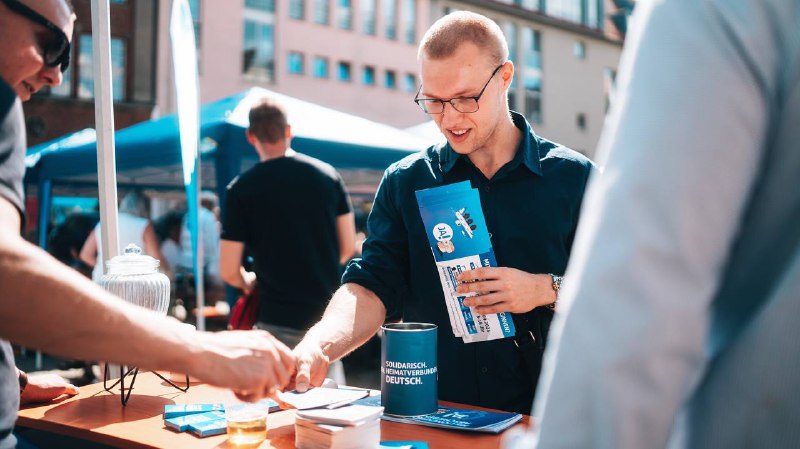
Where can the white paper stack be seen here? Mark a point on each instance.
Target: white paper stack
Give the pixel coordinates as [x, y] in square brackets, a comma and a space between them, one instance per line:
[349, 427]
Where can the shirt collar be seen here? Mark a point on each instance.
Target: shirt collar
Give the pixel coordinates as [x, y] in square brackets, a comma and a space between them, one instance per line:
[527, 151]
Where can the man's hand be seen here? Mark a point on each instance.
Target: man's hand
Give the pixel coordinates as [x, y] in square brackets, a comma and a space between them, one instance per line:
[505, 290]
[312, 366]
[251, 363]
[45, 388]
[249, 279]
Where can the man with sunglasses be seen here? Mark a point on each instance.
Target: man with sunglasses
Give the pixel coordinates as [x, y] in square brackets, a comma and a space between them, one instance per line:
[36, 34]
[531, 191]
[44, 304]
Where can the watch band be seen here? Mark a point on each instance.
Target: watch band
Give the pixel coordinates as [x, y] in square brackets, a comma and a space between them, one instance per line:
[23, 380]
[556, 288]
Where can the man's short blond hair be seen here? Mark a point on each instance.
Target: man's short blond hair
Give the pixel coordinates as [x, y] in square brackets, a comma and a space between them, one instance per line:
[445, 36]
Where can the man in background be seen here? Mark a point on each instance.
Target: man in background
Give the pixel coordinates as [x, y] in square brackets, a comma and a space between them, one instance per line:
[292, 214]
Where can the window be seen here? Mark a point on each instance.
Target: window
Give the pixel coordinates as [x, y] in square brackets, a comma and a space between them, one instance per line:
[580, 50]
[296, 63]
[594, 14]
[566, 9]
[532, 74]
[410, 19]
[258, 54]
[368, 16]
[65, 88]
[194, 8]
[580, 121]
[85, 68]
[609, 85]
[390, 18]
[260, 5]
[585, 12]
[321, 12]
[320, 67]
[369, 75]
[410, 83]
[297, 9]
[510, 30]
[391, 80]
[344, 14]
[533, 5]
[344, 71]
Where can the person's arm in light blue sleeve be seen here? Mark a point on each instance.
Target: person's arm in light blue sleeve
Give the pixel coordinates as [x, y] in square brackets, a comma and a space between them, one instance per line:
[682, 146]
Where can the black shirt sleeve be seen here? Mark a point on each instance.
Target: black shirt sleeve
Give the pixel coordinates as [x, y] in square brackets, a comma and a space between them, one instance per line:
[12, 148]
[233, 221]
[343, 205]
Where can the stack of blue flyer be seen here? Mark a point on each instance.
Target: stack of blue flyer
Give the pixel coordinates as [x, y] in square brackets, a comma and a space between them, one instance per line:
[202, 420]
[454, 418]
[456, 230]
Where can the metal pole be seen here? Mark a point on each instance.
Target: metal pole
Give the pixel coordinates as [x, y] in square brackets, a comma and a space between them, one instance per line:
[104, 123]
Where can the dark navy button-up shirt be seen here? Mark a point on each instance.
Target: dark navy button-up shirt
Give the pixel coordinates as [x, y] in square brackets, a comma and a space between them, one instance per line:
[531, 208]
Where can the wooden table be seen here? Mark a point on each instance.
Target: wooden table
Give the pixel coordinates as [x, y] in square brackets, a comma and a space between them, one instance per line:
[98, 416]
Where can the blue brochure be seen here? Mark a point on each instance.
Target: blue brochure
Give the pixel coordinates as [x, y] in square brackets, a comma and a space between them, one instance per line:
[175, 410]
[183, 423]
[454, 418]
[209, 428]
[457, 234]
[403, 445]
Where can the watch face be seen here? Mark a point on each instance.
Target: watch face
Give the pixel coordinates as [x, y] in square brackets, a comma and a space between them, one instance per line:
[556, 282]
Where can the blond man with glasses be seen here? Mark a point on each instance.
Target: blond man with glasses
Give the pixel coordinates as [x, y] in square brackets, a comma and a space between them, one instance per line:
[531, 191]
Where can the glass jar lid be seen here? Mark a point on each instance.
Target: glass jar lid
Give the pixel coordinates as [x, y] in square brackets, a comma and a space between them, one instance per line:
[132, 261]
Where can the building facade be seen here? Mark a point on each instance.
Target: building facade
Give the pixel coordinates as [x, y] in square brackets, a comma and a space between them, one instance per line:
[359, 56]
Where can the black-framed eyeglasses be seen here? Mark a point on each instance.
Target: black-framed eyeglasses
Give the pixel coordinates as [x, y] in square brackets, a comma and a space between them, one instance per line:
[465, 105]
[55, 51]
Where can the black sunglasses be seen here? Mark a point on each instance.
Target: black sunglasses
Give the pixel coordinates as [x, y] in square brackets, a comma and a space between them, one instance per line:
[56, 51]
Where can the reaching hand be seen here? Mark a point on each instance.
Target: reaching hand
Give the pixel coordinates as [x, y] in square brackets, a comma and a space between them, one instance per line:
[251, 363]
[45, 388]
[505, 290]
[312, 366]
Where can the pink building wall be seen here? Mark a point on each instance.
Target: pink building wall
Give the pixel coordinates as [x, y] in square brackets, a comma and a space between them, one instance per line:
[221, 60]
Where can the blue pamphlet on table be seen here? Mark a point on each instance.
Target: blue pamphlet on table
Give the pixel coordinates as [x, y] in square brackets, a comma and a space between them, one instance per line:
[454, 418]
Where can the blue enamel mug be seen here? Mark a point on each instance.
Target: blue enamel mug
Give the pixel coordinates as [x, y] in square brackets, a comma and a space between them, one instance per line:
[409, 371]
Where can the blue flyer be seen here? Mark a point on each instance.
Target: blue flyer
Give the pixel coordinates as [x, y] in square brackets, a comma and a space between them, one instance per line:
[454, 418]
[457, 234]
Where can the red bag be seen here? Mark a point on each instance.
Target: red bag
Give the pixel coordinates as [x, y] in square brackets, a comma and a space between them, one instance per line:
[243, 314]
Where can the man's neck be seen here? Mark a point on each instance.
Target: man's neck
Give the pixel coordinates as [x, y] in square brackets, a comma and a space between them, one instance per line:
[276, 154]
[499, 151]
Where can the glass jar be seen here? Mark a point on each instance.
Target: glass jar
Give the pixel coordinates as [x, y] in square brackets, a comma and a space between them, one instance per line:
[134, 277]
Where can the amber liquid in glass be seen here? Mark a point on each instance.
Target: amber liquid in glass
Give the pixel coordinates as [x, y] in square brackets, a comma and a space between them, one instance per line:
[247, 432]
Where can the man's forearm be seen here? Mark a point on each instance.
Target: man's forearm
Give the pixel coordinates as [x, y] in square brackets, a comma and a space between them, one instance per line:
[238, 279]
[353, 316]
[45, 305]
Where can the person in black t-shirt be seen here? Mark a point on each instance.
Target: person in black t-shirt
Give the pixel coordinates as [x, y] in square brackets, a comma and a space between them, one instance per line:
[293, 215]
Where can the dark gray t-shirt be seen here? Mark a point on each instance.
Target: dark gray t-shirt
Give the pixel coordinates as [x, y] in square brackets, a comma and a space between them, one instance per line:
[12, 169]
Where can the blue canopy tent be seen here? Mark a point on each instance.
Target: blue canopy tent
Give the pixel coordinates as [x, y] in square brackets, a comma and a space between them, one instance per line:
[148, 154]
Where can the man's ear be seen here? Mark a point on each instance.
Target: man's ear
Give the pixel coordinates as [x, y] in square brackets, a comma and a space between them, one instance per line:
[250, 137]
[507, 74]
[288, 134]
